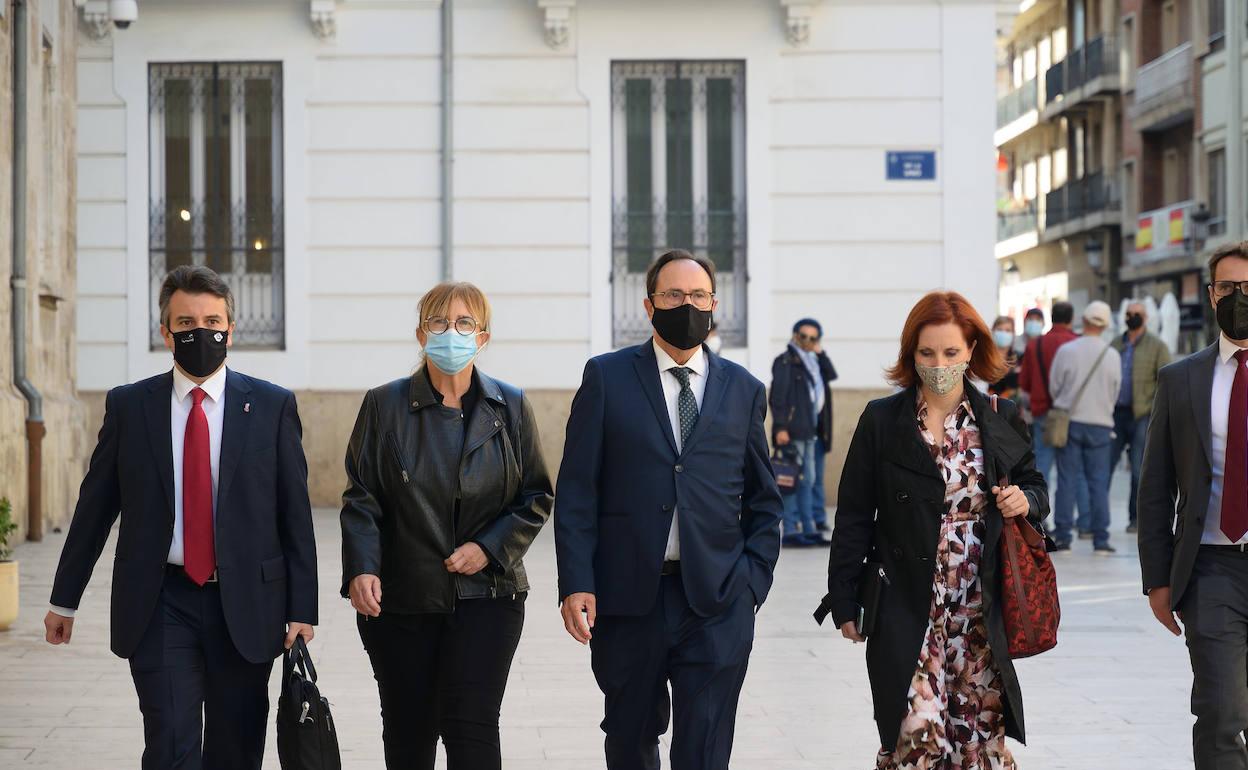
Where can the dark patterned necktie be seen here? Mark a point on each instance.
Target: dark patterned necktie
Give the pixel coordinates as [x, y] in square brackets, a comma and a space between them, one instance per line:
[686, 405]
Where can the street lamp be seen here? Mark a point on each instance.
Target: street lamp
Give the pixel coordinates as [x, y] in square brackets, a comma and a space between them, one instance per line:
[1095, 251]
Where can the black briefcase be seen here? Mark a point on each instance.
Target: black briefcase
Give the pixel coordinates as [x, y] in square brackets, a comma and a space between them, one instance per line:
[306, 738]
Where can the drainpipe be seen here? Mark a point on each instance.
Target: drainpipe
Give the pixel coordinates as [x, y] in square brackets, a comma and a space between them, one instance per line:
[1235, 121]
[447, 139]
[34, 413]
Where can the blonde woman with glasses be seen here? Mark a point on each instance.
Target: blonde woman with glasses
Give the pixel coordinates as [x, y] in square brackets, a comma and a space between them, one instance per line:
[446, 492]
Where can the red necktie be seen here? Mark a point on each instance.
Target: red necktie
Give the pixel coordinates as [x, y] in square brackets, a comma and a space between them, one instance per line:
[198, 553]
[1235, 469]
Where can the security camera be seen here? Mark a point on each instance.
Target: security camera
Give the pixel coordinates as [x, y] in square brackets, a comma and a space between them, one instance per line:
[123, 12]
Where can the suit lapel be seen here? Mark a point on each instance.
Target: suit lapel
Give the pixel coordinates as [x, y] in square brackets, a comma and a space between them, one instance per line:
[158, 414]
[234, 429]
[647, 367]
[716, 384]
[1200, 383]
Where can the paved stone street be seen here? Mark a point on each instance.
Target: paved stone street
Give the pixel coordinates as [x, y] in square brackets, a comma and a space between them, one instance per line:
[1112, 695]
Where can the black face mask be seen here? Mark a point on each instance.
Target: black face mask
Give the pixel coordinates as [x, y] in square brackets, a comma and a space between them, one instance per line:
[684, 327]
[1232, 315]
[200, 352]
[1135, 321]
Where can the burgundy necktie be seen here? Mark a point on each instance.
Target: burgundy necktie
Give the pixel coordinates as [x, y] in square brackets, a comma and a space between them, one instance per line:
[198, 552]
[1235, 469]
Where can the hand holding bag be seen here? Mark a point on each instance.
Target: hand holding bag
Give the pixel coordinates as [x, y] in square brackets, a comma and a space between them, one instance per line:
[306, 739]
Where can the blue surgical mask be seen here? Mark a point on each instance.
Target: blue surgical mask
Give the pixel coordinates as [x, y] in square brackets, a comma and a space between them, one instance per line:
[451, 351]
[1003, 338]
[1033, 328]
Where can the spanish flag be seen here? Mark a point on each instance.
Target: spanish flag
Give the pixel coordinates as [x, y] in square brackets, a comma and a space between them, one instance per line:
[1144, 234]
[1176, 226]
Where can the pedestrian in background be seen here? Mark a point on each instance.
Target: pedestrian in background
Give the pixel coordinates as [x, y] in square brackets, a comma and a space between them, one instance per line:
[1086, 378]
[932, 473]
[1003, 338]
[446, 491]
[1033, 328]
[799, 399]
[1143, 355]
[1034, 377]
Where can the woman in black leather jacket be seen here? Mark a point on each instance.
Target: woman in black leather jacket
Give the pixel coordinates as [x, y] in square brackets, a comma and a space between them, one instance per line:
[446, 491]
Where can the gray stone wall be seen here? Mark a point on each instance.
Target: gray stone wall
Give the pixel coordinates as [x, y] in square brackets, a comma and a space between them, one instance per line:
[51, 265]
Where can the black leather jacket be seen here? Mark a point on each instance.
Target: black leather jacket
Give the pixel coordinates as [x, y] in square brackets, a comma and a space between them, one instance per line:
[409, 505]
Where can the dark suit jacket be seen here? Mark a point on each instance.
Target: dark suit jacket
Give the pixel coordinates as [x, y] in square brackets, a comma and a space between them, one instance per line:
[1174, 481]
[266, 555]
[889, 510]
[621, 477]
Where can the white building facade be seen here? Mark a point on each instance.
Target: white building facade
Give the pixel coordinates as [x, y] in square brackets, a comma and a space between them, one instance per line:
[835, 158]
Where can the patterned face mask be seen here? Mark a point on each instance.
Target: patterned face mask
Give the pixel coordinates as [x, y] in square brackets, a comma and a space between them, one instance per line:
[941, 379]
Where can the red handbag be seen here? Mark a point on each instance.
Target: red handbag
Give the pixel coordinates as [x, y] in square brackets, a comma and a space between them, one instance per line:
[1028, 587]
[1028, 590]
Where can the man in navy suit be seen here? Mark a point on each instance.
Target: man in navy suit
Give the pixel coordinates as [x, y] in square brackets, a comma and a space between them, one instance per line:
[667, 527]
[215, 571]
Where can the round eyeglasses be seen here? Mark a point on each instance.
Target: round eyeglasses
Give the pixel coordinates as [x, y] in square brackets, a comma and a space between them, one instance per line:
[673, 298]
[464, 325]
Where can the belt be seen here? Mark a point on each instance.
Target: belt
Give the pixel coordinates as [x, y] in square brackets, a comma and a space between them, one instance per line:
[180, 570]
[670, 568]
[1241, 549]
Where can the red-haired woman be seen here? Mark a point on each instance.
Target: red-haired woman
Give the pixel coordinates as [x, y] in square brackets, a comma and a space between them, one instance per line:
[932, 473]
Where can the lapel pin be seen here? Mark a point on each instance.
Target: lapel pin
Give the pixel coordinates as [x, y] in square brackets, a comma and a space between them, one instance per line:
[247, 407]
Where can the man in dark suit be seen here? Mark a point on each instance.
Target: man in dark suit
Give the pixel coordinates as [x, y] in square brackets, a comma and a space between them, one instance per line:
[667, 527]
[1193, 516]
[215, 570]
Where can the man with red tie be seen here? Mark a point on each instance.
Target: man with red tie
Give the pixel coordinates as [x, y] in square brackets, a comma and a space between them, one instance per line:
[1193, 516]
[215, 569]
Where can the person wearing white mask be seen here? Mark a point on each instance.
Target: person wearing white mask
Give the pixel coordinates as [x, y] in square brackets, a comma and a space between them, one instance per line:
[446, 492]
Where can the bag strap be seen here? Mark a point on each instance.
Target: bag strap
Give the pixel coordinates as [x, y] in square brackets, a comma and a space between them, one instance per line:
[1044, 370]
[1088, 378]
[297, 656]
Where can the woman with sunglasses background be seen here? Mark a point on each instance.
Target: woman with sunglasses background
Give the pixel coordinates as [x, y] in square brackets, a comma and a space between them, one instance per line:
[446, 491]
[801, 417]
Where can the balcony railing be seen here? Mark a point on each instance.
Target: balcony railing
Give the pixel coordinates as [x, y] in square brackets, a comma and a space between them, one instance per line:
[1165, 80]
[1078, 198]
[1011, 224]
[1017, 103]
[1082, 66]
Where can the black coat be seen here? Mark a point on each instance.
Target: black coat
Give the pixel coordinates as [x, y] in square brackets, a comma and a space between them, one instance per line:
[266, 554]
[889, 509]
[400, 517]
[790, 398]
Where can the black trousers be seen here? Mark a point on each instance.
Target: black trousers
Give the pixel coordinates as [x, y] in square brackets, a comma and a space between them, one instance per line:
[1215, 619]
[705, 660]
[204, 705]
[443, 675]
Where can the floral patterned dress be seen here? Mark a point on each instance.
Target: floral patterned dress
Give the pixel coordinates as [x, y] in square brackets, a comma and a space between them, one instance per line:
[956, 717]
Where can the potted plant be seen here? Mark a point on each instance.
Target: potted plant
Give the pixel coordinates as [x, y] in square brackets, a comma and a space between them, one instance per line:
[8, 567]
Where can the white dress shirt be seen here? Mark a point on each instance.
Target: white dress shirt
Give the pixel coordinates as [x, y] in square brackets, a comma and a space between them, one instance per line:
[180, 409]
[1219, 411]
[671, 393]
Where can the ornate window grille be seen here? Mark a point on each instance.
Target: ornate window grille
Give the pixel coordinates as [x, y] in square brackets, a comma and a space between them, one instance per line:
[678, 152]
[215, 159]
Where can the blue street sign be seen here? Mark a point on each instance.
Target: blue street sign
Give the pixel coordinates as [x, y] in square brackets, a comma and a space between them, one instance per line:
[911, 166]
